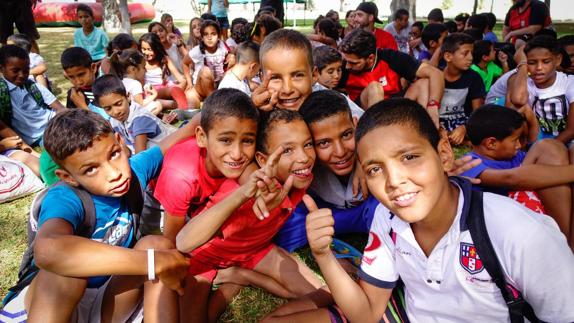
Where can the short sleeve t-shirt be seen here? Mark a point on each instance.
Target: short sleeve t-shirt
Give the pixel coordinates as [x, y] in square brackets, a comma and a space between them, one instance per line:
[214, 61]
[536, 13]
[28, 118]
[401, 38]
[456, 103]
[385, 40]
[114, 224]
[330, 189]
[231, 81]
[453, 277]
[487, 163]
[184, 185]
[390, 67]
[499, 89]
[95, 43]
[492, 71]
[133, 87]
[218, 8]
[141, 122]
[552, 104]
[356, 110]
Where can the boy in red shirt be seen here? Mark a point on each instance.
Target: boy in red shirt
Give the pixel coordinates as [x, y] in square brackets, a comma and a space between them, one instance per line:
[230, 234]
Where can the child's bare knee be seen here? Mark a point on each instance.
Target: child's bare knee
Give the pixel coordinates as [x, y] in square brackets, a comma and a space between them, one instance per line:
[551, 152]
[154, 242]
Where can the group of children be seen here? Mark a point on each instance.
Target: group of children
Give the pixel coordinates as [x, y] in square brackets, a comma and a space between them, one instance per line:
[295, 144]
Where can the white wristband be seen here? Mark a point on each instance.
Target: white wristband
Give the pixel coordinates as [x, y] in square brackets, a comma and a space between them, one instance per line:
[150, 264]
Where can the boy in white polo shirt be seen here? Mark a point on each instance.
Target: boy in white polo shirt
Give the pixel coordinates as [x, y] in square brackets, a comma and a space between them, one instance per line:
[420, 233]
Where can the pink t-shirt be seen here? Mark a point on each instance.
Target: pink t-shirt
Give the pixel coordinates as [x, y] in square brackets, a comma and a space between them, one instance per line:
[183, 184]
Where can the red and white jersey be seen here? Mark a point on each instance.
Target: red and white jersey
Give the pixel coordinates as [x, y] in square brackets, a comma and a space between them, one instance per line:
[452, 285]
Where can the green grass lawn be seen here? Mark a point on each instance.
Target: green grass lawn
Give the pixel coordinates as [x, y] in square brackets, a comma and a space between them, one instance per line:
[249, 306]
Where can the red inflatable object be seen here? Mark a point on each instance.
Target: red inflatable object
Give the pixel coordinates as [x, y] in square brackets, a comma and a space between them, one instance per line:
[61, 14]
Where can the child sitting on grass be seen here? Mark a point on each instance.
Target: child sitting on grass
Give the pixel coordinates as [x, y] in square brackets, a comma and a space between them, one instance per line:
[483, 56]
[427, 215]
[100, 277]
[93, 39]
[139, 128]
[432, 37]
[38, 66]
[495, 133]
[237, 228]
[463, 88]
[129, 66]
[25, 106]
[247, 67]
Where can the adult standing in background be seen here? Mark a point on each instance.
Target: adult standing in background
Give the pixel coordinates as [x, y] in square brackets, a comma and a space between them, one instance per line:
[277, 5]
[365, 17]
[18, 12]
[524, 19]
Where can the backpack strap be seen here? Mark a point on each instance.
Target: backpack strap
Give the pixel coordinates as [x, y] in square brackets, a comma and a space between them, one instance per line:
[32, 88]
[5, 103]
[518, 308]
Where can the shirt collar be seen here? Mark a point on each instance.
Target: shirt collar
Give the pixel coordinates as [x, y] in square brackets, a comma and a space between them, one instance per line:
[11, 86]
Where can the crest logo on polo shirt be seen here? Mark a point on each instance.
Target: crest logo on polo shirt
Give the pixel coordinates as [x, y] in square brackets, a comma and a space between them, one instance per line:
[383, 81]
[469, 258]
[373, 244]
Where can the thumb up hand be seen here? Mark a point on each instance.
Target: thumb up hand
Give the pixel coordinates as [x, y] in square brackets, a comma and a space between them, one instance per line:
[320, 227]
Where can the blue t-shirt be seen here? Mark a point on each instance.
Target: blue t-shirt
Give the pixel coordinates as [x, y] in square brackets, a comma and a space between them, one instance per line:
[218, 8]
[491, 37]
[111, 212]
[95, 43]
[487, 163]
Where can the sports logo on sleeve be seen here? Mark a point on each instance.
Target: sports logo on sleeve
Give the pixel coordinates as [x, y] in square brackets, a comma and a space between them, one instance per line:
[373, 244]
[469, 259]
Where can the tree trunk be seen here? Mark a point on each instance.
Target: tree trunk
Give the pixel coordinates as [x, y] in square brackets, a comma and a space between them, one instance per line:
[547, 2]
[341, 5]
[125, 17]
[111, 20]
[410, 5]
[475, 7]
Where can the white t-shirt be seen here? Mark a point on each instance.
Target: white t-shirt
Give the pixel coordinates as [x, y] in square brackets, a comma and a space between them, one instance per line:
[35, 60]
[214, 61]
[356, 110]
[176, 59]
[499, 89]
[231, 81]
[451, 285]
[133, 87]
[551, 105]
[402, 37]
[329, 188]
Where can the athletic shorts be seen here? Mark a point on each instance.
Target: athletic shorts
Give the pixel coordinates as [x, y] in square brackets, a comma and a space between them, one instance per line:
[206, 267]
[88, 310]
[19, 13]
[223, 22]
[352, 220]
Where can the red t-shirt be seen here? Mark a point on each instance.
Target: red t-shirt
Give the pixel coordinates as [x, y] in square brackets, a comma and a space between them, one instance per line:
[385, 39]
[391, 65]
[535, 14]
[242, 234]
[183, 185]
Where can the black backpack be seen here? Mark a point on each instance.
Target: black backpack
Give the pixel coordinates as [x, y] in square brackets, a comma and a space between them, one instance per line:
[135, 202]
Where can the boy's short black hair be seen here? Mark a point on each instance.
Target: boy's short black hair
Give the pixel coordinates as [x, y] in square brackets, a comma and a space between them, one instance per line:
[436, 15]
[324, 104]
[432, 32]
[451, 26]
[419, 25]
[75, 56]
[398, 111]
[247, 52]
[8, 51]
[462, 17]
[73, 130]
[85, 8]
[543, 41]
[208, 16]
[567, 40]
[492, 120]
[475, 33]
[325, 55]
[547, 32]
[452, 42]
[359, 42]
[399, 14]
[108, 84]
[225, 103]
[267, 122]
[490, 20]
[22, 41]
[237, 21]
[287, 39]
[481, 48]
[329, 28]
[478, 21]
